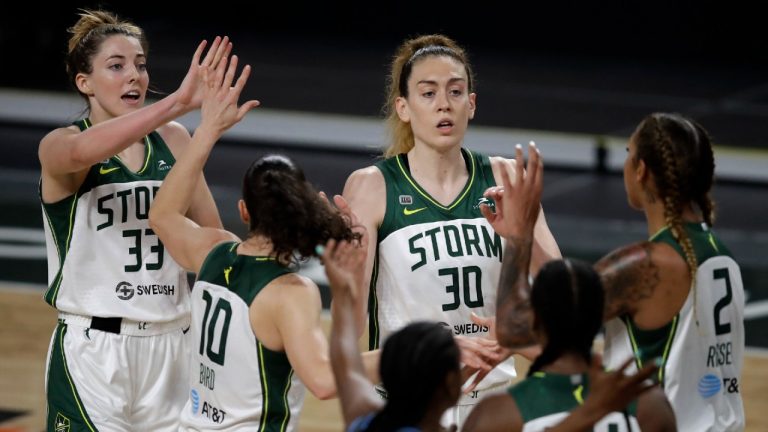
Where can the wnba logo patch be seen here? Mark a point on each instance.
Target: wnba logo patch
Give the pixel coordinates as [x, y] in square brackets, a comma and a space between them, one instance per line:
[195, 398]
[709, 385]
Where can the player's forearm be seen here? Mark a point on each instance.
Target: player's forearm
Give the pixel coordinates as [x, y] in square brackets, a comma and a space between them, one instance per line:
[514, 316]
[175, 195]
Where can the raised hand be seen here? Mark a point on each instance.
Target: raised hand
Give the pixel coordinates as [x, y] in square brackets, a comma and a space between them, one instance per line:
[345, 265]
[518, 200]
[613, 391]
[219, 108]
[189, 95]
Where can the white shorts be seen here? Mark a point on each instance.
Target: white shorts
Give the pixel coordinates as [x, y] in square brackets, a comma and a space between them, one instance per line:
[108, 380]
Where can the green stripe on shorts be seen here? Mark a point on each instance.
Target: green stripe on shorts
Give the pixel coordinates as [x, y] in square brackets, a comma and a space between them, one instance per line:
[65, 409]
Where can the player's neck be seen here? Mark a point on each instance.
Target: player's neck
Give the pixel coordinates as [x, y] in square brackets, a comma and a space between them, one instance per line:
[256, 245]
[442, 175]
[657, 219]
[567, 364]
[435, 165]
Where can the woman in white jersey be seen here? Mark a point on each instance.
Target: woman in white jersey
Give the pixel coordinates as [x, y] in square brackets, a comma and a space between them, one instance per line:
[118, 355]
[426, 353]
[678, 296]
[255, 327]
[432, 256]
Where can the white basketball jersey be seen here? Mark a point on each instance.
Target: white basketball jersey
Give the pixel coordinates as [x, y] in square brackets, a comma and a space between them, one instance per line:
[702, 361]
[103, 258]
[236, 382]
[434, 262]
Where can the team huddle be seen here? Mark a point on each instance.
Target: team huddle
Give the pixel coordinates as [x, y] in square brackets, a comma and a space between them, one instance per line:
[442, 253]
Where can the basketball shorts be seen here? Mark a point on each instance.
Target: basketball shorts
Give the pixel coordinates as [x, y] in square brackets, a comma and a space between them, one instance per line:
[110, 374]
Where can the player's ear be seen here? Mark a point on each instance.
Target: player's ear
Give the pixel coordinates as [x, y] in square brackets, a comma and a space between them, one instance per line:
[83, 84]
[401, 106]
[243, 210]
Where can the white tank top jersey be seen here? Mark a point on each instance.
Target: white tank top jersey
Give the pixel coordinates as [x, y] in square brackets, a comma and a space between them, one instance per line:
[236, 382]
[103, 258]
[435, 262]
[702, 348]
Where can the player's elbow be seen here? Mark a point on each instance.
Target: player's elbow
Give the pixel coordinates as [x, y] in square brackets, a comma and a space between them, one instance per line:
[157, 221]
[322, 389]
[509, 338]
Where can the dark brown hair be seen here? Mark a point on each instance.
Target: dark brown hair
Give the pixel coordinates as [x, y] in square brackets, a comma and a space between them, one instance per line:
[284, 207]
[678, 152]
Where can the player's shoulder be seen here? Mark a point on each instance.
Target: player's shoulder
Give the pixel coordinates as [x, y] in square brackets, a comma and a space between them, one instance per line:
[368, 180]
[175, 135]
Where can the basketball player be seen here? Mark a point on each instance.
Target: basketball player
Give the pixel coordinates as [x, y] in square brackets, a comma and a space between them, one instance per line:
[432, 256]
[678, 296]
[567, 303]
[256, 327]
[425, 352]
[118, 356]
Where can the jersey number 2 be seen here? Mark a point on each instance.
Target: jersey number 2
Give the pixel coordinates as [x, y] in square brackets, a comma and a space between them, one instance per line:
[722, 328]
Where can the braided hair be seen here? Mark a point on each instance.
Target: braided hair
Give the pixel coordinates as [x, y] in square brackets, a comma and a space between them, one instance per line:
[678, 152]
[567, 300]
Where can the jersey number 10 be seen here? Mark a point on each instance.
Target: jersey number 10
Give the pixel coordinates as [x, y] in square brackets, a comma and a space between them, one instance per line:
[223, 310]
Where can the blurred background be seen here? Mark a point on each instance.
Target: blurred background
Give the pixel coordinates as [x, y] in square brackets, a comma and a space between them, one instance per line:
[576, 77]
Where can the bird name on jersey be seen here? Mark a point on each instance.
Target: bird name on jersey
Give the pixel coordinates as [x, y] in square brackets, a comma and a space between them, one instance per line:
[207, 376]
[119, 205]
[461, 239]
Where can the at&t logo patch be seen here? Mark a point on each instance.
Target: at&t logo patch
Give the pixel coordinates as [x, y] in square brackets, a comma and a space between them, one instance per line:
[195, 398]
[709, 385]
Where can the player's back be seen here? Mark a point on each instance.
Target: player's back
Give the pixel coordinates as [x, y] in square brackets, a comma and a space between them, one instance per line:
[236, 382]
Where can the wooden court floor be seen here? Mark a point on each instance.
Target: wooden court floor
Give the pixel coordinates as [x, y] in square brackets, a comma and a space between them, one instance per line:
[27, 323]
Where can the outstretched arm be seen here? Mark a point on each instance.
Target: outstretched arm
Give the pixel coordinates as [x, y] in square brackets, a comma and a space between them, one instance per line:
[65, 151]
[517, 209]
[345, 266]
[186, 241]
[362, 197]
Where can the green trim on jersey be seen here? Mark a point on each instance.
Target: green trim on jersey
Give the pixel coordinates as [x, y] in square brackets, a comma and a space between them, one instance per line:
[60, 216]
[373, 307]
[275, 375]
[656, 343]
[562, 393]
[408, 204]
[63, 210]
[114, 170]
[65, 408]
[244, 275]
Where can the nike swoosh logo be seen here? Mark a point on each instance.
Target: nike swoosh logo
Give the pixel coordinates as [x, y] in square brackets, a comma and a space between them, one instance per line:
[103, 170]
[410, 212]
